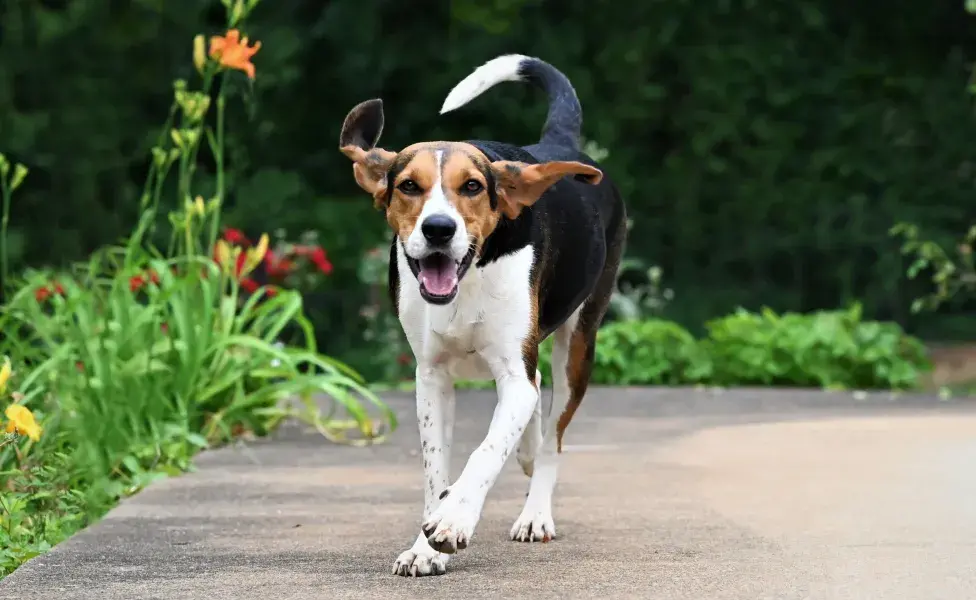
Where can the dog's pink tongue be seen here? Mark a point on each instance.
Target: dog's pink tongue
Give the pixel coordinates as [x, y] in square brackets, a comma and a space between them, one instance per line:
[439, 278]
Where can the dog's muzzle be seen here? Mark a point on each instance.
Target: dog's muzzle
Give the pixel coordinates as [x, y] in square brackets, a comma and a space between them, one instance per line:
[437, 270]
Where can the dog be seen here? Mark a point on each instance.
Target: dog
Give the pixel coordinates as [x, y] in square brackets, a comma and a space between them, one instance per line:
[495, 248]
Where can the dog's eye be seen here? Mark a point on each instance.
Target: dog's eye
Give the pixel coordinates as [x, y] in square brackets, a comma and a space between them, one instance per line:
[472, 186]
[408, 186]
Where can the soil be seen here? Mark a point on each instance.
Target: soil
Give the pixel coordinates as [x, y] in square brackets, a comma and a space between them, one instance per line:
[953, 365]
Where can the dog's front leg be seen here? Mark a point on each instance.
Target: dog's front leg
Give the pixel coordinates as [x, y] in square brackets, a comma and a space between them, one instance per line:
[452, 524]
[435, 417]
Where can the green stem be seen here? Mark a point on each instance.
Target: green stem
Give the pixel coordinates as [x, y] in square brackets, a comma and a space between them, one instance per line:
[6, 192]
[219, 160]
[207, 84]
[188, 232]
[153, 170]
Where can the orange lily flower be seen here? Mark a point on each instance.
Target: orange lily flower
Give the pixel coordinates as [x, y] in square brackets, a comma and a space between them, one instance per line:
[233, 52]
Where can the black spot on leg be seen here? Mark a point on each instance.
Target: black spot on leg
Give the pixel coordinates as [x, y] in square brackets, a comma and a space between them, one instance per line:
[444, 494]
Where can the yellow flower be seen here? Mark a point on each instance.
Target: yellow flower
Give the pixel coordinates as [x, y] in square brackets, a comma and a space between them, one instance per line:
[4, 375]
[22, 422]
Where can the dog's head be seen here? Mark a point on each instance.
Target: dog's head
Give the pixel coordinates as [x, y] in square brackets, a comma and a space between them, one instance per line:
[443, 199]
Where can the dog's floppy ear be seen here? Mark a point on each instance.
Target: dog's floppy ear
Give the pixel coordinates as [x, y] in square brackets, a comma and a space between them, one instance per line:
[521, 184]
[360, 132]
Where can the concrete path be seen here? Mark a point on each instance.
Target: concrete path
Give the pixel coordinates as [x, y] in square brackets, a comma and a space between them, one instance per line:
[664, 494]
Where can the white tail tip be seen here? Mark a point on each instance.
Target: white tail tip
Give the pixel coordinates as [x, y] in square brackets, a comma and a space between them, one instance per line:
[496, 70]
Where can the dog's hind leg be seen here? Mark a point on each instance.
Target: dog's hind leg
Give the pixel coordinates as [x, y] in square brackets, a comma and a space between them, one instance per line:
[573, 349]
[532, 437]
[536, 523]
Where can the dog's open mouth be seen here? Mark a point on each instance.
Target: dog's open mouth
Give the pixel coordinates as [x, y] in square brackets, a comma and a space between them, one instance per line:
[439, 275]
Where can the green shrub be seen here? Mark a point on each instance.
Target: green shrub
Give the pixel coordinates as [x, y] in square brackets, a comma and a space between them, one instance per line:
[827, 349]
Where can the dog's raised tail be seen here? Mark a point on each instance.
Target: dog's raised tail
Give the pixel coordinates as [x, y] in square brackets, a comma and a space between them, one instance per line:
[565, 117]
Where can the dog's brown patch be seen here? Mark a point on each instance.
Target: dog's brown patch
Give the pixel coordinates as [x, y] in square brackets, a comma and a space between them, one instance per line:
[578, 369]
[521, 184]
[420, 166]
[530, 345]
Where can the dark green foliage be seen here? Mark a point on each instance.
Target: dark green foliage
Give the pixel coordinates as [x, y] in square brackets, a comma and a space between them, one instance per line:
[764, 148]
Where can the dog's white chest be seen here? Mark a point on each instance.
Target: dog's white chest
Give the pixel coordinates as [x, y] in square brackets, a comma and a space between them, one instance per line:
[491, 314]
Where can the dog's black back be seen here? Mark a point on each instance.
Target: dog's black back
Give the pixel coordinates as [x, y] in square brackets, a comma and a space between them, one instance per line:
[570, 226]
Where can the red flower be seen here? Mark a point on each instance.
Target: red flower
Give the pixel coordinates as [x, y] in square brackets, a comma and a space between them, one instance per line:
[44, 292]
[236, 236]
[277, 267]
[136, 282]
[80, 366]
[271, 292]
[317, 255]
[241, 259]
[164, 327]
[320, 260]
[249, 285]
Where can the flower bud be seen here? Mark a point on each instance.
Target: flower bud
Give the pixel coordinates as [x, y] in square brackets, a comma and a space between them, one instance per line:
[20, 172]
[5, 374]
[256, 254]
[199, 53]
[160, 157]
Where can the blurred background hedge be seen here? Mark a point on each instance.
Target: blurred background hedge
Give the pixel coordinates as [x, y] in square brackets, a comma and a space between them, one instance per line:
[765, 148]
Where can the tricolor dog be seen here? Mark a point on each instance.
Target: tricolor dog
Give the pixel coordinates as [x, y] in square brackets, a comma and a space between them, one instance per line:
[495, 248]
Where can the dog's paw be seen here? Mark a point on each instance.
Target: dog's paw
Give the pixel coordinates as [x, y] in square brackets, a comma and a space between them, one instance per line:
[534, 526]
[451, 526]
[420, 561]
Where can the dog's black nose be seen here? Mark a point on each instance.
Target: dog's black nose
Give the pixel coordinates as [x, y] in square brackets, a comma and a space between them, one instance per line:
[438, 229]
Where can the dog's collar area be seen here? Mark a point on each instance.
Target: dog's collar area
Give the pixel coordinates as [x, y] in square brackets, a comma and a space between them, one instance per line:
[439, 276]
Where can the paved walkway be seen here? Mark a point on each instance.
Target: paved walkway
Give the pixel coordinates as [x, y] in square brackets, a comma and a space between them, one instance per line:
[664, 494]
